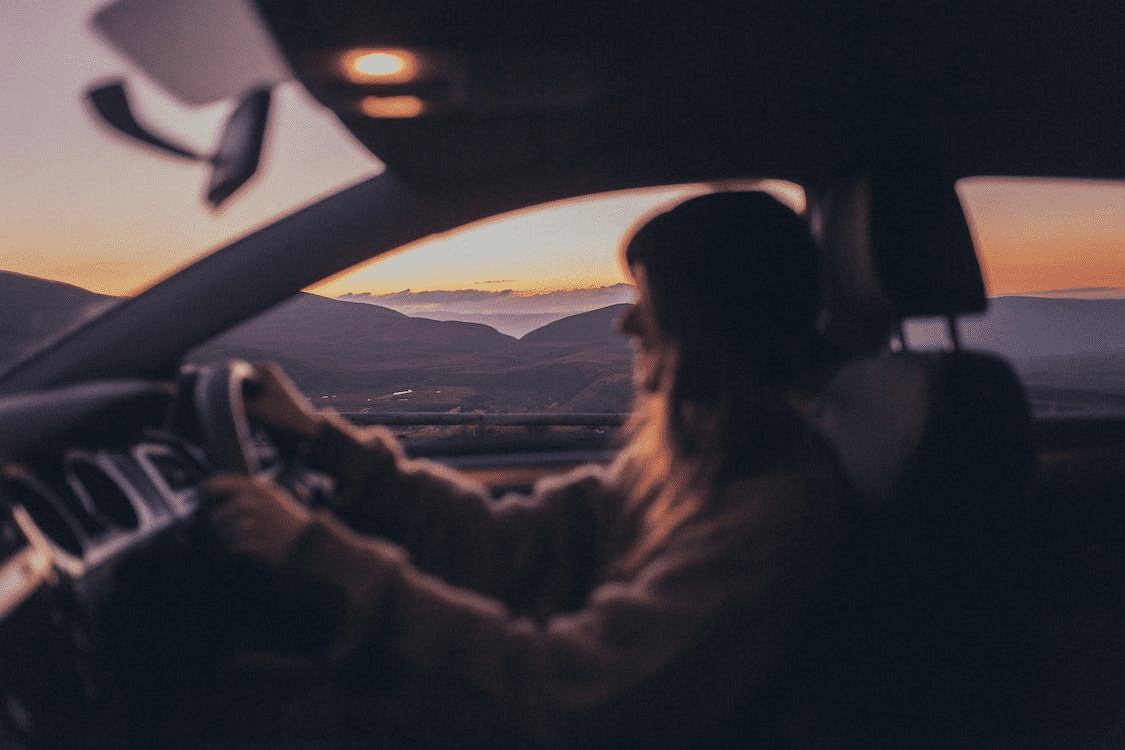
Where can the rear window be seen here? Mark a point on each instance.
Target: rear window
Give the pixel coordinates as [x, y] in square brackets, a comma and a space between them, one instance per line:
[1052, 252]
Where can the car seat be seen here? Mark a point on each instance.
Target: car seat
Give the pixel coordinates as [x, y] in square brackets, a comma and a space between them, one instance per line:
[907, 647]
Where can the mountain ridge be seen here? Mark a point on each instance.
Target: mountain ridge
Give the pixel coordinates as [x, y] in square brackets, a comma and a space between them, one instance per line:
[361, 355]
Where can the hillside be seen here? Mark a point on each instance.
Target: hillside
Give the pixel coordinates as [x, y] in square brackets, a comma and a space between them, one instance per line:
[33, 310]
[357, 356]
[1069, 353]
[313, 321]
[360, 356]
[1022, 327]
[601, 326]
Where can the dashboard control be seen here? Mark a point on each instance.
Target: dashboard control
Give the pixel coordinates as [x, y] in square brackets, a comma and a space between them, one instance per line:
[101, 495]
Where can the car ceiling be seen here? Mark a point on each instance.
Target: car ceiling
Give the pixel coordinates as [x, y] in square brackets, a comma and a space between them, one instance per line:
[728, 88]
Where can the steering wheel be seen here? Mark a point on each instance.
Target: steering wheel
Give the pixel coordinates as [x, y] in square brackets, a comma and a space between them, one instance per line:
[218, 392]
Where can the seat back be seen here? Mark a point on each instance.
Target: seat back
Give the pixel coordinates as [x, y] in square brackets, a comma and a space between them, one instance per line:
[908, 645]
[906, 649]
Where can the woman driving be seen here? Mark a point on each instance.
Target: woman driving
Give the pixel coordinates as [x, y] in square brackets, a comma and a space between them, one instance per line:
[646, 603]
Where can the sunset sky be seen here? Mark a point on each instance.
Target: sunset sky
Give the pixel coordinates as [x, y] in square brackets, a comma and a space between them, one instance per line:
[1049, 236]
[79, 206]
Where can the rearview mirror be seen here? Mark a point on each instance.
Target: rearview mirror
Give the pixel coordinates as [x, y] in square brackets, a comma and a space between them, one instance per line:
[240, 147]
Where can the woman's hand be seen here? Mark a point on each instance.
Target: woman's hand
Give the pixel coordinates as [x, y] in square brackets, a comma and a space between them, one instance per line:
[277, 404]
[255, 517]
[350, 454]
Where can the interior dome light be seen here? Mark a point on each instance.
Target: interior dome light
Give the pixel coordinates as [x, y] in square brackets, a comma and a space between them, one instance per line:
[381, 66]
[392, 106]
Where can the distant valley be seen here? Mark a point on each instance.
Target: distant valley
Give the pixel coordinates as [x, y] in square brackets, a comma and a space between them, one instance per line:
[362, 357]
[510, 312]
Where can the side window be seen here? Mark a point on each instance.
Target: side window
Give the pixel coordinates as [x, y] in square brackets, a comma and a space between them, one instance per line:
[503, 326]
[1053, 256]
[486, 329]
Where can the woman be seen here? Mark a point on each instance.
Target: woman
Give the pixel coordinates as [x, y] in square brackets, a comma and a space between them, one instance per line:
[647, 603]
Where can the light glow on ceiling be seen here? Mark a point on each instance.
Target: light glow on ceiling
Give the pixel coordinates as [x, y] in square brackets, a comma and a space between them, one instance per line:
[381, 66]
[392, 106]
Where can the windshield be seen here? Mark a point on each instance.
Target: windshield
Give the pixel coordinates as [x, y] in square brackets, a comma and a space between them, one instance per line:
[105, 216]
[88, 217]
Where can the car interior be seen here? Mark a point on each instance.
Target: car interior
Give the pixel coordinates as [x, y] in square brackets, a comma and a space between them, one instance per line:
[988, 606]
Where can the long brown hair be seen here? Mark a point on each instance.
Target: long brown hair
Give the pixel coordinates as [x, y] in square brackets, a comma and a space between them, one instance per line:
[732, 281]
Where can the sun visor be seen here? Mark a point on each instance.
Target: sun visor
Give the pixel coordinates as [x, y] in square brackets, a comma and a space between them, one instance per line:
[200, 52]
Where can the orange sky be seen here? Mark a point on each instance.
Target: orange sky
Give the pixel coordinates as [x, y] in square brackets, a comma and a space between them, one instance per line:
[564, 245]
[1031, 235]
[569, 244]
[1044, 235]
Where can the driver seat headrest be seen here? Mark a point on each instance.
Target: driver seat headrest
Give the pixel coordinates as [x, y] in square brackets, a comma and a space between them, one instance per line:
[896, 245]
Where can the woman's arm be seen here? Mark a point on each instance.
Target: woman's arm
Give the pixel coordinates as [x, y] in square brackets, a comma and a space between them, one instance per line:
[508, 548]
[450, 526]
[726, 595]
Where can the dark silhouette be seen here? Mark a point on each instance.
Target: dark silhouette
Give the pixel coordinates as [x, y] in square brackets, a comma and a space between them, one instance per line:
[648, 603]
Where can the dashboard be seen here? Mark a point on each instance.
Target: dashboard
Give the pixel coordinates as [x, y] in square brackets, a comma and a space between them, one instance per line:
[90, 505]
[91, 471]
[113, 597]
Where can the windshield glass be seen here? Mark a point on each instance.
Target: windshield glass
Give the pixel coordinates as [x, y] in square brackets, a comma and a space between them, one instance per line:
[104, 217]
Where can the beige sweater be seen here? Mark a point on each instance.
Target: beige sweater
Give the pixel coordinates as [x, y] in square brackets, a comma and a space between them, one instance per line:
[506, 619]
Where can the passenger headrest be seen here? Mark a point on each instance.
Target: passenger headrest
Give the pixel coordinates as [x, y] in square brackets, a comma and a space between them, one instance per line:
[896, 245]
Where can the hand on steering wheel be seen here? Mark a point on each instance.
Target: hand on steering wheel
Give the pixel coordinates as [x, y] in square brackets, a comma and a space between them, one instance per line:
[235, 397]
[273, 401]
[253, 514]
[303, 449]
[336, 446]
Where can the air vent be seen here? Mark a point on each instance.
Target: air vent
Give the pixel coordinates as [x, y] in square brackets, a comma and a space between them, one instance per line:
[45, 508]
[12, 539]
[178, 471]
[175, 471]
[102, 494]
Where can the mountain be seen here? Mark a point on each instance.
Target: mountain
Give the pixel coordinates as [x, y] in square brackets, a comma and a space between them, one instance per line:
[508, 311]
[585, 360]
[356, 356]
[1069, 353]
[34, 310]
[359, 355]
[602, 325]
[363, 356]
[318, 321]
[1021, 327]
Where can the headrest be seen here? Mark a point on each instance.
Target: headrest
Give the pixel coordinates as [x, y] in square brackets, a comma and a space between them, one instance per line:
[921, 242]
[896, 245]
